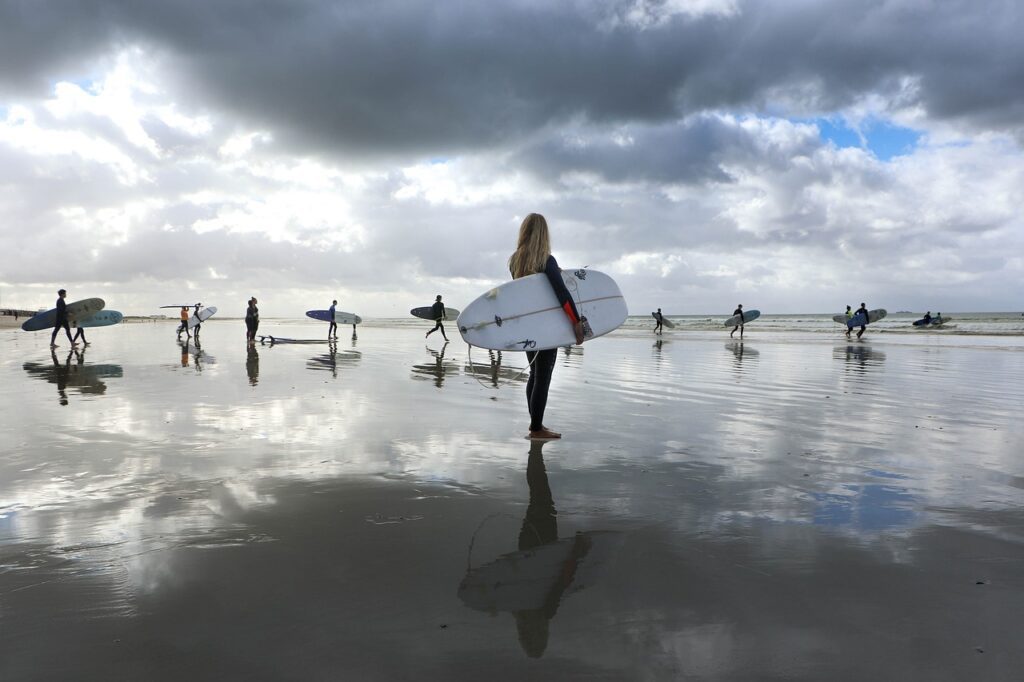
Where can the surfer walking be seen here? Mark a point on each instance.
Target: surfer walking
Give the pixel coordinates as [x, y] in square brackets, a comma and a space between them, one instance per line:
[862, 310]
[439, 315]
[252, 321]
[849, 314]
[659, 321]
[532, 256]
[62, 320]
[184, 323]
[332, 331]
[198, 321]
[739, 325]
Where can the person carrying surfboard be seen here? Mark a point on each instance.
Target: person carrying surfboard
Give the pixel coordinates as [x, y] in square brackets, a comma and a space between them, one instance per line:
[532, 256]
[849, 314]
[659, 321]
[739, 325]
[62, 320]
[198, 321]
[332, 330]
[863, 310]
[184, 323]
[439, 315]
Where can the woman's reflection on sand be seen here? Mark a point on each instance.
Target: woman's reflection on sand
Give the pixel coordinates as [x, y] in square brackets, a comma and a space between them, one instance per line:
[86, 379]
[252, 364]
[530, 582]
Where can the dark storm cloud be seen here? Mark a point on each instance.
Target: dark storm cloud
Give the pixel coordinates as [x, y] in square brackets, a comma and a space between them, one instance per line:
[421, 77]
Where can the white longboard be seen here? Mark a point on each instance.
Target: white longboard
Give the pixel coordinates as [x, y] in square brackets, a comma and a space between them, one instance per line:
[524, 314]
[202, 316]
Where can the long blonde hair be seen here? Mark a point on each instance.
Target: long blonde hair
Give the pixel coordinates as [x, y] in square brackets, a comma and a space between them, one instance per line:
[533, 248]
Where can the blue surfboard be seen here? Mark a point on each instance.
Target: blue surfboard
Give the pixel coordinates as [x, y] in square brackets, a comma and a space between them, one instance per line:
[103, 318]
[873, 316]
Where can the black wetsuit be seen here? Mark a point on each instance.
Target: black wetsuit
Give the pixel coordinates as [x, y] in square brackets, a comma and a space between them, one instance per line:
[738, 311]
[252, 320]
[438, 312]
[542, 362]
[659, 321]
[864, 326]
[62, 321]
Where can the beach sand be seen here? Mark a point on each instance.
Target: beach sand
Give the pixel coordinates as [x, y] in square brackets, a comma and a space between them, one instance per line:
[789, 507]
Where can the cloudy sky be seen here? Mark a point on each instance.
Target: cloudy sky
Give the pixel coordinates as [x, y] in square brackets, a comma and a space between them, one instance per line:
[793, 155]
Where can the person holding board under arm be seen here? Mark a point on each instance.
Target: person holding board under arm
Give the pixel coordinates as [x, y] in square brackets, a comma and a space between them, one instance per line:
[739, 325]
[533, 255]
[439, 316]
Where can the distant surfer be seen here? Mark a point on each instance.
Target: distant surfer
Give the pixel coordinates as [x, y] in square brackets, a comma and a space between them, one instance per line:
[252, 321]
[659, 321]
[62, 320]
[437, 310]
[862, 310]
[198, 321]
[184, 323]
[849, 314]
[333, 329]
[739, 325]
[928, 317]
[532, 256]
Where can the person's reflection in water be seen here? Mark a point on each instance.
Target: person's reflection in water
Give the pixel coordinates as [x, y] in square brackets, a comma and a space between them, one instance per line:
[332, 358]
[184, 353]
[540, 527]
[61, 373]
[198, 356]
[252, 364]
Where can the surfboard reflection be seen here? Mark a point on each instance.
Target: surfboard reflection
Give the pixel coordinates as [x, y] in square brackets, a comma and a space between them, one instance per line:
[333, 359]
[493, 370]
[859, 357]
[73, 373]
[192, 351]
[530, 583]
[436, 370]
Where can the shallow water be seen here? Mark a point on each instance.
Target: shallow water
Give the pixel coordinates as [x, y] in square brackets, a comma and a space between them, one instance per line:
[793, 506]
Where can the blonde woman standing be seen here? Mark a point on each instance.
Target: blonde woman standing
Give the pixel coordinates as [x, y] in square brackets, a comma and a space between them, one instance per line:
[532, 256]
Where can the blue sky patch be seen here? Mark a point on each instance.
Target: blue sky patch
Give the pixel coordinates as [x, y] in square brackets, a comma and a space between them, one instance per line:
[882, 139]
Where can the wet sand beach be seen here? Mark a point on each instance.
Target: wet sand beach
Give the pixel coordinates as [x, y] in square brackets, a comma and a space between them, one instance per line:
[789, 507]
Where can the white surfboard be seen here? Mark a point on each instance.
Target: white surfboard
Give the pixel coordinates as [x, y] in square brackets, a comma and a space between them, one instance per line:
[524, 314]
[202, 316]
[667, 323]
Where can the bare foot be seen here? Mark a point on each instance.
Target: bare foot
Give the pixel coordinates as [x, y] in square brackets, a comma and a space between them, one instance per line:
[543, 434]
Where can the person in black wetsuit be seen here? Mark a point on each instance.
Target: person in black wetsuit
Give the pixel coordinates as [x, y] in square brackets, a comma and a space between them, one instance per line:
[533, 255]
[62, 320]
[252, 321]
[738, 311]
[659, 321]
[195, 332]
[862, 309]
[437, 310]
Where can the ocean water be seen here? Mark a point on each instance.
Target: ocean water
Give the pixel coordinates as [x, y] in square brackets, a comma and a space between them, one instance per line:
[793, 506]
